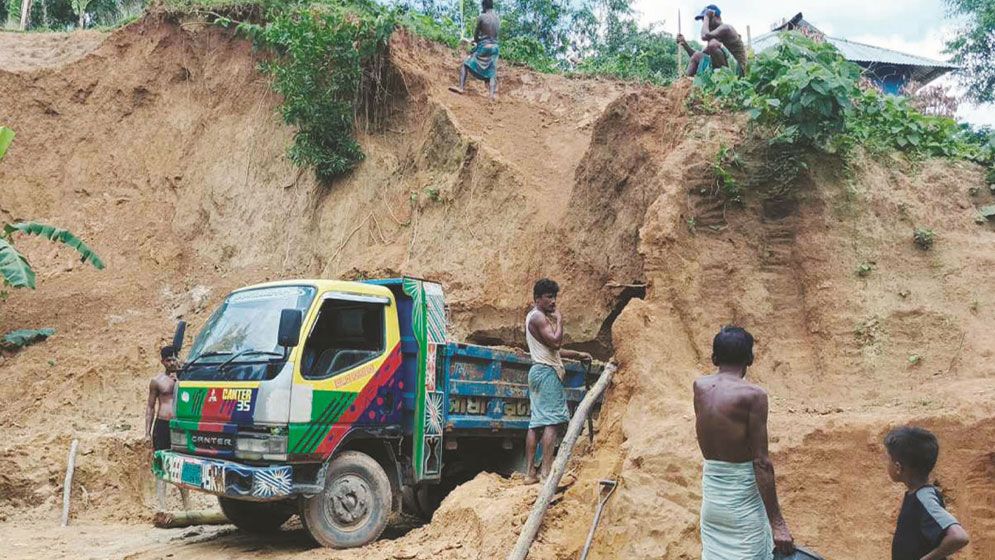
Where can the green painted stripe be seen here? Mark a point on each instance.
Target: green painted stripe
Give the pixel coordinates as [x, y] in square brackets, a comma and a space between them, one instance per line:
[335, 402]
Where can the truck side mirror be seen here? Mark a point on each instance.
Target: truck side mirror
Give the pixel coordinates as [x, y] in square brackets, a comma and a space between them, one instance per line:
[289, 334]
[181, 328]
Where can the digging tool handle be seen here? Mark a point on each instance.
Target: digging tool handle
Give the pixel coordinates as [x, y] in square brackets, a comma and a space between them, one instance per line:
[602, 500]
[531, 527]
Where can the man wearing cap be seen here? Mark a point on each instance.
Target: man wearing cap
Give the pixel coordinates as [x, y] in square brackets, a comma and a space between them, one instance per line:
[723, 45]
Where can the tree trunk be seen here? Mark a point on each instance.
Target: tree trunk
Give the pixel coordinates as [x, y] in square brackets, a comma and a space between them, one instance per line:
[25, 12]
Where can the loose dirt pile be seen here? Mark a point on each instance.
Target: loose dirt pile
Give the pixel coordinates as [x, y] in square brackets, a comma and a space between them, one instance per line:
[163, 150]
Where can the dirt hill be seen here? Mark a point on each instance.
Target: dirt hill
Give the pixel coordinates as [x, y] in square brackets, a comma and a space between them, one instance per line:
[162, 148]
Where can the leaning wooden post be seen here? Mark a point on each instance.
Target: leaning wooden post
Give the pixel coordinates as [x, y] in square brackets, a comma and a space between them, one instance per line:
[680, 71]
[531, 527]
[25, 12]
[67, 485]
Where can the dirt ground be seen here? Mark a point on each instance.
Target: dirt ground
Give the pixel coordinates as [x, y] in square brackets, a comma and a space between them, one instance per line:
[160, 145]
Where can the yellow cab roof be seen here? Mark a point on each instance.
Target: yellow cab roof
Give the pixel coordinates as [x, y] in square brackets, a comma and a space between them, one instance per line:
[324, 285]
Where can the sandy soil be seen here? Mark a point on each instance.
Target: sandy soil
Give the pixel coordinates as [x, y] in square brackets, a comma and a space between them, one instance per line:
[162, 148]
[21, 52]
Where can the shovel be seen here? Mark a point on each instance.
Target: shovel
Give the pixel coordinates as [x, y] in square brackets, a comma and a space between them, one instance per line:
[607, 488]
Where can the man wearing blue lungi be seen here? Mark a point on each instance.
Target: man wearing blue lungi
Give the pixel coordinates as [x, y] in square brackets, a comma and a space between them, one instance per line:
[547, 399]
[482, 62]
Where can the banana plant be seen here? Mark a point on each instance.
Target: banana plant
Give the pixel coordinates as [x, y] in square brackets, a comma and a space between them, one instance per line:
[14, 267]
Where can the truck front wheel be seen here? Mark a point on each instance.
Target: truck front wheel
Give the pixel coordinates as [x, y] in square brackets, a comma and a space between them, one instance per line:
[353, 508]
[255, 517]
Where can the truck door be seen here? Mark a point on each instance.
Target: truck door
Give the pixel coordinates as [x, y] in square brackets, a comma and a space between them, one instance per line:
[346, 376]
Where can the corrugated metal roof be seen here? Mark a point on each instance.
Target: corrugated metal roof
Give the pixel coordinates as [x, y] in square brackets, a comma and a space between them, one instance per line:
[860, 52]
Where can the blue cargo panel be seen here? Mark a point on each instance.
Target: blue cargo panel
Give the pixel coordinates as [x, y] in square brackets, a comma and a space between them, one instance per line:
[488, 387]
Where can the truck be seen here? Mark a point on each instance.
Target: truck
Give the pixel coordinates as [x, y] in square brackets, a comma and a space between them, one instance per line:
[343, 402]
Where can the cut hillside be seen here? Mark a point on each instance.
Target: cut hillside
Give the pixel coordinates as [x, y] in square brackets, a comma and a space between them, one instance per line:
[162, 148]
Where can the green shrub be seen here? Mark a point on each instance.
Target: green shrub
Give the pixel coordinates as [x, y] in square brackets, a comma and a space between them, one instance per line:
[806, 93]
[326, 60]
[530, 52]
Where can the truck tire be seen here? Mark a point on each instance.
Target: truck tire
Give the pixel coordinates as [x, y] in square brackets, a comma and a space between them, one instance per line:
[255, 517]
[354, 507]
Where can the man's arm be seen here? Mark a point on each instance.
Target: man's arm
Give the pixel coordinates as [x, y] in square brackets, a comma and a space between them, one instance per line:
[550, 335]
[150, 407]
[764, 469]
[682, 42]
[953, 540]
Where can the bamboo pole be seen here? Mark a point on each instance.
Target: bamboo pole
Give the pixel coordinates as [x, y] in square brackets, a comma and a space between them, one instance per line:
[67, 485]
[679, 71]
[531, 527]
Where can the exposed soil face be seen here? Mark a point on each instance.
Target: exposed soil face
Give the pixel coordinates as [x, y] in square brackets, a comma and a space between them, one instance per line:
[161, 148]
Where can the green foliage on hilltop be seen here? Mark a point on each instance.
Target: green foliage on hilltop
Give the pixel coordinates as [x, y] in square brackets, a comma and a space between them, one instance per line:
[327, 57]
[805, 93]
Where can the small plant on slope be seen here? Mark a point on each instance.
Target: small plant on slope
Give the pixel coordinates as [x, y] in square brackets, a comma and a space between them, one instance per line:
[923, 238]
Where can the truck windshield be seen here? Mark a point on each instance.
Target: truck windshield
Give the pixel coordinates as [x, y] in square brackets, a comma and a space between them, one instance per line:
[246, 323]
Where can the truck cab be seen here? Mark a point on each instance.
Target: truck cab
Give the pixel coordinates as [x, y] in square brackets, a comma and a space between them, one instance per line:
[342, 402]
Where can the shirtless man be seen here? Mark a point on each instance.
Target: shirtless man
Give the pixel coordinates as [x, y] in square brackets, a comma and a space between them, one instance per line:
[547, 399]
[161, 392]
[740, 515]
[720, 40]
[482, 62]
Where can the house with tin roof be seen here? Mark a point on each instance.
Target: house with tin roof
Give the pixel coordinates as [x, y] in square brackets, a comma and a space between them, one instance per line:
[891, 70]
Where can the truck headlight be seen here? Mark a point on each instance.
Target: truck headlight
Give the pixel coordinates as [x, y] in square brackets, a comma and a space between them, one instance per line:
[178, 438]
[261, 444]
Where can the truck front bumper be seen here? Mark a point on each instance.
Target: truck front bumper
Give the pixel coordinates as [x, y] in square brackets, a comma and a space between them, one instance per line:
[224, 478]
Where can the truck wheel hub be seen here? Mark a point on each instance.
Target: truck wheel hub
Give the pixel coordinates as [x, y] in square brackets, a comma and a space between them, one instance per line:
[349, 500]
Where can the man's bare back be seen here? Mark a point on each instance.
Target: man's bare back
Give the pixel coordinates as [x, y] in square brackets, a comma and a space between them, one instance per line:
[731, 424]
[722, 408]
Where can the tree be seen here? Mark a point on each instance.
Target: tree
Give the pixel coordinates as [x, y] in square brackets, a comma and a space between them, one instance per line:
[974, 47]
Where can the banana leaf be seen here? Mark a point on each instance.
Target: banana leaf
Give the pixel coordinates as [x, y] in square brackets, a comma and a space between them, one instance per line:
[6, 137]
[53, 233]
[14, 268]
[25, 337]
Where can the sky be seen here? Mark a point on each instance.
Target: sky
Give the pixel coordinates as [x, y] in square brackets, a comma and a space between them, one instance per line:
[917, 27]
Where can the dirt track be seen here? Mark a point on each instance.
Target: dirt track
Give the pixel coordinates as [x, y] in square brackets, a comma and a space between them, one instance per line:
[162, 149]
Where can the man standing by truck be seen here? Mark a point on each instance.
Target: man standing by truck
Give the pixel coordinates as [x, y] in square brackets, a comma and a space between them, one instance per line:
[162, 389]
[740, 515]
[547, 400]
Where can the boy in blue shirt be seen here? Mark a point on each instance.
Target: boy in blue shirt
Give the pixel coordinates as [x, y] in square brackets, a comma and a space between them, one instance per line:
[925, 530]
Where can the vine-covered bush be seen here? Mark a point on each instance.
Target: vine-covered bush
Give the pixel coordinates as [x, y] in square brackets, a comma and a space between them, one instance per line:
[326, 56]
[807, 93]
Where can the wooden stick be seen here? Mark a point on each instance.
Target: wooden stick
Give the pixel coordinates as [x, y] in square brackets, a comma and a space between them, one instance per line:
[679, 71]
[531, 527]
[67, 485]
[168, 520]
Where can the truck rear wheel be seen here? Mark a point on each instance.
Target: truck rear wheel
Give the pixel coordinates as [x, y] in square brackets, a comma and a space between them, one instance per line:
[255, 517]
[354, 507]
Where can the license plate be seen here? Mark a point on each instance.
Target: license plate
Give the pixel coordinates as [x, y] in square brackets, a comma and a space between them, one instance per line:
[191, 474]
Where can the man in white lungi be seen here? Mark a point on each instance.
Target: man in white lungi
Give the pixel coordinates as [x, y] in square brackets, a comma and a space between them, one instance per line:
[740, 516]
